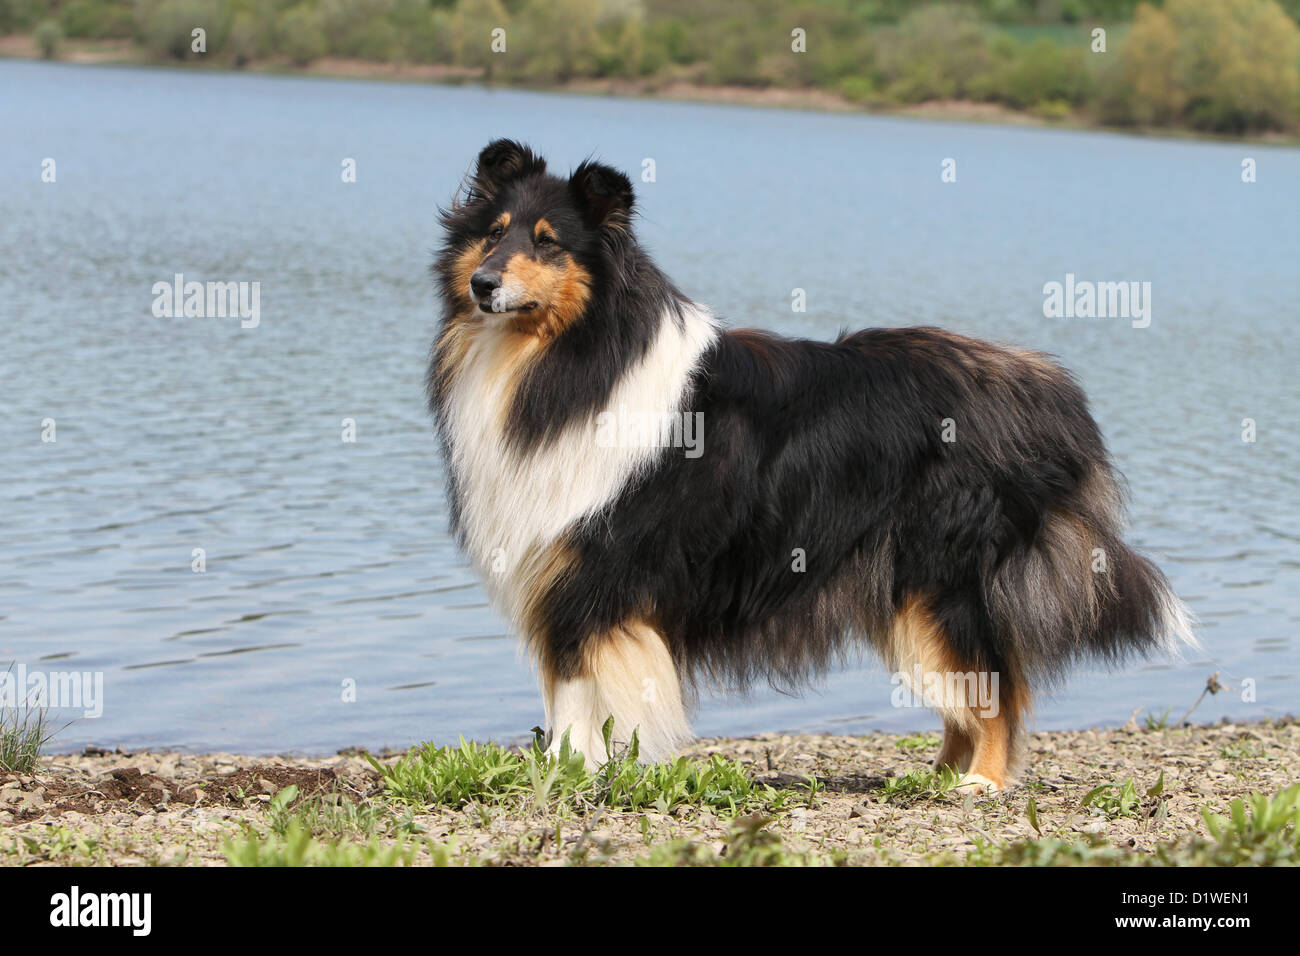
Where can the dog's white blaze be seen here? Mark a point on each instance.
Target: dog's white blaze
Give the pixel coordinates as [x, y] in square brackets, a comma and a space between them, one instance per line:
[511, 503]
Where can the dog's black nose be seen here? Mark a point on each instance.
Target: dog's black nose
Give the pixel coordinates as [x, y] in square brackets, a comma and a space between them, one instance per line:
[484, 283]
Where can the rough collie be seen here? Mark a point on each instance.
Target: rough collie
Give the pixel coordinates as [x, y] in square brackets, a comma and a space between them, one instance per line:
[655, 500]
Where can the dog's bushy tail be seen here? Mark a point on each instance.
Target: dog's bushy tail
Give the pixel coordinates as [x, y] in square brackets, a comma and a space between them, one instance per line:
[1080, 592]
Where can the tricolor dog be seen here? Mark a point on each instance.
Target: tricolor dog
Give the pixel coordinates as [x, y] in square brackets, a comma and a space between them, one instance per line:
[945, 501]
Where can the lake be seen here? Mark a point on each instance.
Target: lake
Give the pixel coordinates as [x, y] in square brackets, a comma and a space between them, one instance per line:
[327, 568]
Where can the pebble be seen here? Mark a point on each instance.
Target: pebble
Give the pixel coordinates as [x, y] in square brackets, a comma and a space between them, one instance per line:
[31, 800]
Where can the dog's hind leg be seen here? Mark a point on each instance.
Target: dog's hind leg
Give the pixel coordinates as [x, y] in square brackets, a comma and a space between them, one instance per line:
[957, 749]
[990, 763]
[995, 720]
[628, 674]
[919, 652]
[981, 710]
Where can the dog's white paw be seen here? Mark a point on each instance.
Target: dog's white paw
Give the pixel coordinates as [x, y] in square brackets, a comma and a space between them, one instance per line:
[976, 784]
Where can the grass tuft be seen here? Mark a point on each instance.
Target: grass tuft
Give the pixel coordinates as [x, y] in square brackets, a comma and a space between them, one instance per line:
[919, 785]
[1267, 835]
[24, 732]
[748, 843]
[533, 779]
[1152, 722]
[297, 847]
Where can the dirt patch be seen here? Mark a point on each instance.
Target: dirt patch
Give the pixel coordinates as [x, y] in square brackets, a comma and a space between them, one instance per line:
[25, 797]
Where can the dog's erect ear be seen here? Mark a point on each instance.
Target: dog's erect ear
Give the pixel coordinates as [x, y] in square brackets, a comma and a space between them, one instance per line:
[502, 162]
[603, 194]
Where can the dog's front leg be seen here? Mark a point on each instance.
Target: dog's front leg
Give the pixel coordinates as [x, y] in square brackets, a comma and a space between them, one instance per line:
[628, 674]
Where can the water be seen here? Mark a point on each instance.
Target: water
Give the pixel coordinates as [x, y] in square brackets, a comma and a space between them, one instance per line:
[329, 562]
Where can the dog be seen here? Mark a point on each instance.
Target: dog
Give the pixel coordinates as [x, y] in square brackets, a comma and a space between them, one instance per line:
[655, 500]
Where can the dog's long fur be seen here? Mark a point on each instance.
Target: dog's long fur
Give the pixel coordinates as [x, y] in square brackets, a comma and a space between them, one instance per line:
[947, 501]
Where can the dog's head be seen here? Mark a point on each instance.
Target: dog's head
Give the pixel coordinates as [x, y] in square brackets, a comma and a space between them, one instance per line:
[524, 244]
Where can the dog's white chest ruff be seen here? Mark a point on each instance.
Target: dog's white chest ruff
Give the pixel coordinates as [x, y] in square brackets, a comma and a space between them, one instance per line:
[513, 504]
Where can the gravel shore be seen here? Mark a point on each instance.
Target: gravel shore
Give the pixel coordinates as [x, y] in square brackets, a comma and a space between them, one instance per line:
[151, 808]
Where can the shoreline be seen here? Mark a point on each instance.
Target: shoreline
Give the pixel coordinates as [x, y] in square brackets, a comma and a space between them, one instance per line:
[125, 53]
[874, 802]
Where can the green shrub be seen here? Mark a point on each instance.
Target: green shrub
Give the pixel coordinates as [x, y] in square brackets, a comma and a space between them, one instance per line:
[246, 38]
[49, 39]
[1052, 110]
[368, 29]
[1042, 71]
[860, 89]
[937, 52]
[167, 27]
[670, 40]
[469, 34]
[1219, 65]
[414, 30]
[301, 35]
[96, 19]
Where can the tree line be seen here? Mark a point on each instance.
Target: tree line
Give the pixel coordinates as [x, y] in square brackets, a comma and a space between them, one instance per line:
[1228, 66]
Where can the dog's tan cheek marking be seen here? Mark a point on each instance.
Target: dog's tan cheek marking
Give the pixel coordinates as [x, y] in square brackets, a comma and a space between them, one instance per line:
[561, 292]
[573, 292]
[528, 272]
[466, 264]
[457, 335]
[567, 291]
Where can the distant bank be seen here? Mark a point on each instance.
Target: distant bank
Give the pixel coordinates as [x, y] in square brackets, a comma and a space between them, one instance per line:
[127, 53]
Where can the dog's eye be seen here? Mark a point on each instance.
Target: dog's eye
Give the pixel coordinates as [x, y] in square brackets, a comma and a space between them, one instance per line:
[546, 239]
[496, 232]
